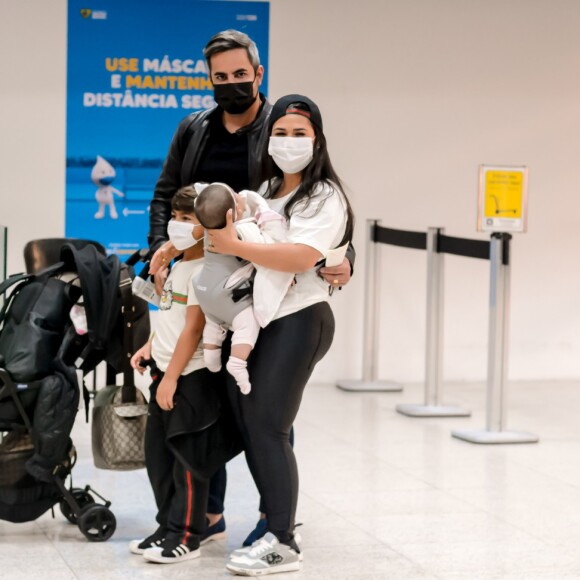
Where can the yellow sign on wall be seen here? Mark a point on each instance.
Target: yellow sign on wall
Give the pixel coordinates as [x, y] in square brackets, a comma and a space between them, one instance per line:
[502, 203]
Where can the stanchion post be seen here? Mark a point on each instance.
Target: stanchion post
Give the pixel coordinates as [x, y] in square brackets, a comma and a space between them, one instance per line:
[498, 333]
[434, 339]
[497, 362]
[434, 326]
[371, 321]
[372, 305]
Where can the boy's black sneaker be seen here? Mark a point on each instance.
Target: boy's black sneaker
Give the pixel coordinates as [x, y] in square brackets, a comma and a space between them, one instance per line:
[171, 552]
[152, 541]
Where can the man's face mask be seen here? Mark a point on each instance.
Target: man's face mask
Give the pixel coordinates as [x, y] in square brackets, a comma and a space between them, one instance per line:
[235, 98]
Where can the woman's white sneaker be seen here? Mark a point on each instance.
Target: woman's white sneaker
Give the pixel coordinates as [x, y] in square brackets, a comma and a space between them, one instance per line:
[268, 556]
[246, 549]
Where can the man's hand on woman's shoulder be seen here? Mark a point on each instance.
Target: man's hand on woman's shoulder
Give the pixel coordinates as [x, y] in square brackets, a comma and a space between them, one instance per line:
[337, 275]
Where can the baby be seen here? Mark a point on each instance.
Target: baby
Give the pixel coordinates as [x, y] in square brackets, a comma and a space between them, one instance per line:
[226, 284]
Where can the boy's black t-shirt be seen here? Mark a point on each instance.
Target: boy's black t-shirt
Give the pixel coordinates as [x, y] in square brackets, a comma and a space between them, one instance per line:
[225, 157]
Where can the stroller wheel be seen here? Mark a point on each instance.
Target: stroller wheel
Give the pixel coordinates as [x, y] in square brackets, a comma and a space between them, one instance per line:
[82, 497]
[97, 523]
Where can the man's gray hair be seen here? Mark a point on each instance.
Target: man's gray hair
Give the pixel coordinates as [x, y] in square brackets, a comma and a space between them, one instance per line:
[229, 40]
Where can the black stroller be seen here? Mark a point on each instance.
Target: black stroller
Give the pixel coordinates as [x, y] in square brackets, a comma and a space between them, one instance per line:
[42, 354]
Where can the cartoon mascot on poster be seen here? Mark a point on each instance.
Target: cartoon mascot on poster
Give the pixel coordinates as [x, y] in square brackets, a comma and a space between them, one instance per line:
[103, 174]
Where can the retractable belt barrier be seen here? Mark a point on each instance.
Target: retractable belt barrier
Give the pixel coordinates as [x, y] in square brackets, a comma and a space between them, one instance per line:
[437, 244]
[401, 238]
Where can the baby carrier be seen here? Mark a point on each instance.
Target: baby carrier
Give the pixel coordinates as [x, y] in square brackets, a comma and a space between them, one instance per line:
[43, 357]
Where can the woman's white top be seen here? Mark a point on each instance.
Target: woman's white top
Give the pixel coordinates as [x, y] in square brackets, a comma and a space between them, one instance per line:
[319, 224]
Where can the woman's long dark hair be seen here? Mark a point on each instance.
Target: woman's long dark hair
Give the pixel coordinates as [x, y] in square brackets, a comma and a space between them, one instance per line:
[318, 171]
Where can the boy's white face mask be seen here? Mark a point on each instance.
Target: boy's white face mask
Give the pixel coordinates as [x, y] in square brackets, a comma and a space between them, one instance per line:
[181, 234]
[291, 154]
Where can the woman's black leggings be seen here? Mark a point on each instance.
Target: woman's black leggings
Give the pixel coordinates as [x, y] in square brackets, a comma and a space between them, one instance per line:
[280, 366]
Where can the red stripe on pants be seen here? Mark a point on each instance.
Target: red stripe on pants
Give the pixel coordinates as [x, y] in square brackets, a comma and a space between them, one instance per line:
[189, 502]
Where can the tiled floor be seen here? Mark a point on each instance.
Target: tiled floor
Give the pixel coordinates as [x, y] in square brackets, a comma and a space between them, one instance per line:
[382, 496]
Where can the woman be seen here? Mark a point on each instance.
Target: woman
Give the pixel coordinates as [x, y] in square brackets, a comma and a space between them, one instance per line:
[301, 184]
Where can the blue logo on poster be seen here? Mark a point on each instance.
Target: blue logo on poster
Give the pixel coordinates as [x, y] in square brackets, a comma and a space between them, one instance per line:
[135, 69]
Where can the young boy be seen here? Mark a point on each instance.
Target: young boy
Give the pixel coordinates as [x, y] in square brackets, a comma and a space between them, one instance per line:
[177, 369]
[231, 297]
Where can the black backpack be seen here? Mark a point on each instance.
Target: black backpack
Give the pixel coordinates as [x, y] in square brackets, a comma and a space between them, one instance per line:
[35, 318]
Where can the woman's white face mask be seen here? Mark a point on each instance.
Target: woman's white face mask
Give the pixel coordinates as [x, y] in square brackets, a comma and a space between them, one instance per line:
[291, 154]
[181, 234]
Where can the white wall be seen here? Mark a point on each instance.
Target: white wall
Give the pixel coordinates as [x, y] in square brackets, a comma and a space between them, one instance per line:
[415, 95]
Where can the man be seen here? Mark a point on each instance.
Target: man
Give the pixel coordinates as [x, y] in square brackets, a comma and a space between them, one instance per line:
[222, 144]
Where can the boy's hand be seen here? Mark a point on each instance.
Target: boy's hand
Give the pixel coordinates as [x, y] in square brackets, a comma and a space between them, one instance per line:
[144, 353]
[165, 393]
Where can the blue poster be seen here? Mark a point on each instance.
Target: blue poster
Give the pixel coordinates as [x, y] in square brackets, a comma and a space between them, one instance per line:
[135, 69]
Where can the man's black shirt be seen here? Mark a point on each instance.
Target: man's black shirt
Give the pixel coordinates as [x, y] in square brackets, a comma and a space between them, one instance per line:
[225, 157]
